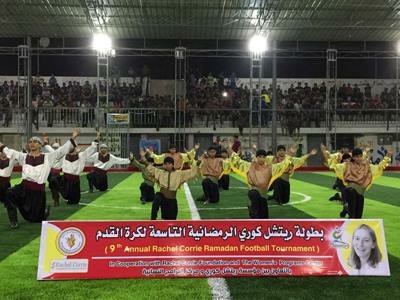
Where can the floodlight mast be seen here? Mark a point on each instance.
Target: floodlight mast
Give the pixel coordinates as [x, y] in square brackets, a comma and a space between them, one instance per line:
[257, 46]
[102, 44]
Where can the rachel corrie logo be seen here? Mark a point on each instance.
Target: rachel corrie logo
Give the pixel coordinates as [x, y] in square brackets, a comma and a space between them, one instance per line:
[337, 239]
[70, 241]
[69, 266]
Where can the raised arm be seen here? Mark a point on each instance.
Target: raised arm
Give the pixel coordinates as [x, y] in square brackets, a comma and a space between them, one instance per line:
[190, 155]
[226, 166]
[329, 158]
[158, 158]
[279, 169]
[155, 172]
[377, 170]
[239, 165]
[119, 161]
[64, 149]
[91, 149]
[140, 165]
[13, 154]
[332, 162]
[189, 174]
[92, 157]
[297, 162]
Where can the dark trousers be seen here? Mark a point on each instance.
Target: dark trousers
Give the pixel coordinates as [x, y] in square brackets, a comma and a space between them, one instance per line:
[4, 186]
[70, 190]
[54, 186]
[155, 207]
[169, 207]
[281, 191]
[99, 181]
[31, 203]
[223, 182]
[258, 208]
[210, 190]
[338, 185]
[355, 202]
[146, 192]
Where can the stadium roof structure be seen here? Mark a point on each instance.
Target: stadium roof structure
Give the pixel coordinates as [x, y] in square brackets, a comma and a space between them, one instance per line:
[283, 20]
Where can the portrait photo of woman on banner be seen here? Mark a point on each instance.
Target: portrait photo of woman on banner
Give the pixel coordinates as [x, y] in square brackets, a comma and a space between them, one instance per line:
[361, 248]
[366, 257]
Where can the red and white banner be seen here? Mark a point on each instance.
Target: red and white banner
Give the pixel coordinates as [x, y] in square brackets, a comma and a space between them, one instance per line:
[211, 248]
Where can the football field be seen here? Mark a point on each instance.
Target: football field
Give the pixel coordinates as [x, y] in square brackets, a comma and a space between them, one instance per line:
[309, 199]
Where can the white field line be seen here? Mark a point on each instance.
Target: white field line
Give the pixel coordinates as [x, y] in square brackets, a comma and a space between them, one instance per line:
[219, 288]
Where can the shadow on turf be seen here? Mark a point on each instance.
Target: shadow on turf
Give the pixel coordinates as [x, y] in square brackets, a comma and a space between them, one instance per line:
[12, 240]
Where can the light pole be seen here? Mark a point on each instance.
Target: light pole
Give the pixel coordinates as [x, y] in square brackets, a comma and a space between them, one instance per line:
[257, 46]
[102, 44]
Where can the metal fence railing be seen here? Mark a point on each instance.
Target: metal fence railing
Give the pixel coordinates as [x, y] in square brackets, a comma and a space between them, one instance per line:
[195, 118]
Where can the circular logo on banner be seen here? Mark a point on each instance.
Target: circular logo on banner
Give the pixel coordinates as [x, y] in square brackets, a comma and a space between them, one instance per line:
[70, 241]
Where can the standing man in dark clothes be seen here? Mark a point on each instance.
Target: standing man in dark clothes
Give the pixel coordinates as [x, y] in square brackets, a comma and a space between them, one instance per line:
[236, 144]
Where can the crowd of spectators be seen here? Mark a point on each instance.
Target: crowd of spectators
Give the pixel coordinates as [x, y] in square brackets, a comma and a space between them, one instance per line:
[212, 101]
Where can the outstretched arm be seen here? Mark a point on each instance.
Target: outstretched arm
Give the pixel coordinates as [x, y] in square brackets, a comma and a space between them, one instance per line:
[189, 174]
[239, 165]
[158, 159]
[190, 155]
[13, 154]
[329, 158]
[119, 161]
[64, 149]
[377, 170]
[92, 148]
[299, 161]
[279, 169]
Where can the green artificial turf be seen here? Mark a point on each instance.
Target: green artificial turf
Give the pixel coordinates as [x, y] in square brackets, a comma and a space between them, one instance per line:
[381, 201]
[19, 248]
[19, 251]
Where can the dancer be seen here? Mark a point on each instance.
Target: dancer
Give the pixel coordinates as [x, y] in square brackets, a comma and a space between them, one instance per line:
[282, 184]
[223, 182]
[7, 163]
[29, 196]
[147, 186]
[103, 161]
[260, 176]
[72, 165]
[357, 176]
[169, 181]
[55, 171]
[212, 169]
[179, 158]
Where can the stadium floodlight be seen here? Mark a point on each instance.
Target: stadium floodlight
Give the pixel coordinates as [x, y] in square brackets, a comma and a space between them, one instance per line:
[258, 44]
[102, 43]
[224, 94]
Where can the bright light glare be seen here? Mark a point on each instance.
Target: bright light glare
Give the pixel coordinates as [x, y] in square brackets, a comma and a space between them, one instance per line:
[224, 94]
[258, 44]
[398, 47]
[101, 43]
